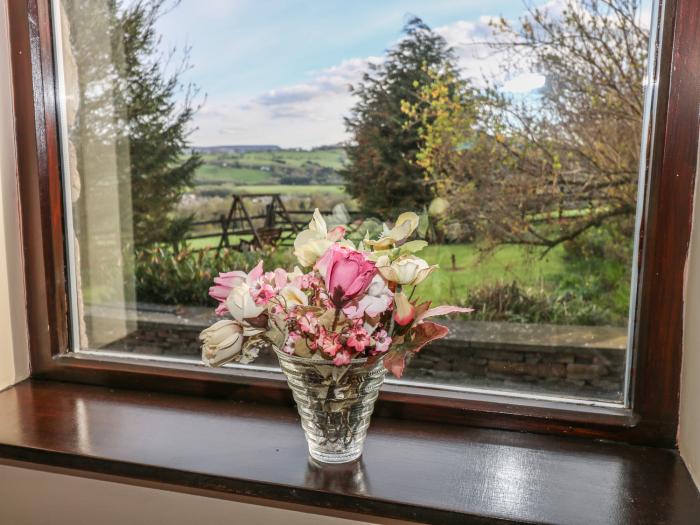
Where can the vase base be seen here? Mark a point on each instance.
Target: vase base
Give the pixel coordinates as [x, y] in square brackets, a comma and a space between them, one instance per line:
[334, 458]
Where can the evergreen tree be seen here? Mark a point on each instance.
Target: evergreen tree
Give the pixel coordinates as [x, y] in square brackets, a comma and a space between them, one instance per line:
[382, 173]
[128, 97]
[157, 126]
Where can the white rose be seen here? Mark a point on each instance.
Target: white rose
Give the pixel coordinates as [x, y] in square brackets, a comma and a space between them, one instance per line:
[406, 270]
[241, 303]
[312, 243]
[309, 246]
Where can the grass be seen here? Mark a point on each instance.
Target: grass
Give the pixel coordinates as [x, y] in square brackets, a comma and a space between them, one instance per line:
[331, 158]
[287, 189]
[212, 174]
[476, 268]
[292, 189]
[213, 241]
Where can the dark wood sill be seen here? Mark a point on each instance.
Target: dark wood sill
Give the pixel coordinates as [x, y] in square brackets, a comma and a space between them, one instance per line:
[416, 471]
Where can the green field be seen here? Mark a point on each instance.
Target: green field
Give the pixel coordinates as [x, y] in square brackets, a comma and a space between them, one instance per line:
[292, 189]
[213, 174]
[228, 188]
[474, 268]
[285, 171]
[332, 158]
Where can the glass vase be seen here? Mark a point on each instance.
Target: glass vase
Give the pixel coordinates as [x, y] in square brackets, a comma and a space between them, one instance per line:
[335, 403]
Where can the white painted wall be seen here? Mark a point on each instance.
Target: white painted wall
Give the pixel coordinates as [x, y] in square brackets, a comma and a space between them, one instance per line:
[14, 361]
[32, 497]
[689, 428]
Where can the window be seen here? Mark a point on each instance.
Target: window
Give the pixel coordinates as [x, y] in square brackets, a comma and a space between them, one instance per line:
[189, 147]
[519, 145]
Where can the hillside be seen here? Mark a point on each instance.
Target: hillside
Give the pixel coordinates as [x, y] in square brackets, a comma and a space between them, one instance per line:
[229, 168]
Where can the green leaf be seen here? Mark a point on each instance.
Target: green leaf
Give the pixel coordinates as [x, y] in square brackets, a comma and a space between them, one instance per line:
[413, 246]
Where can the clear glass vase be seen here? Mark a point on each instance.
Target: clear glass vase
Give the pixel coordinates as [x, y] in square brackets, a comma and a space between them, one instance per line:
[335, 403]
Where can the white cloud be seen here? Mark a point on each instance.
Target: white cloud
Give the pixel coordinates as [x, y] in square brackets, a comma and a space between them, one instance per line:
[311, 113]
[524, 83]
[300, 115]
[470, 40]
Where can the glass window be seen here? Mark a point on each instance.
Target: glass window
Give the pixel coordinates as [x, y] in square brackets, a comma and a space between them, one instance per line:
[198, 137]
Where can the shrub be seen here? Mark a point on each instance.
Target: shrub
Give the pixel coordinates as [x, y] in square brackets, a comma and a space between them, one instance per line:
[165, 276]
[598, 265]
[510, 302]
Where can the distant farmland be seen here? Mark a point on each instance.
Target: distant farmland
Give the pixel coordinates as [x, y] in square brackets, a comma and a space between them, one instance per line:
[296, 172]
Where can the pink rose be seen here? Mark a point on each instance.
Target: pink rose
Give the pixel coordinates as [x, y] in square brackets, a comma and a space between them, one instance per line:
[348, 274]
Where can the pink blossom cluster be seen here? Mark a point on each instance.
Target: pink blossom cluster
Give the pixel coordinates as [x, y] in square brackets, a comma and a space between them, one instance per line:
[352, 339]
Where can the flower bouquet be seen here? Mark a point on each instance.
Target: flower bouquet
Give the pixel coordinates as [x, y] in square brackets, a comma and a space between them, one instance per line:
[336, 327]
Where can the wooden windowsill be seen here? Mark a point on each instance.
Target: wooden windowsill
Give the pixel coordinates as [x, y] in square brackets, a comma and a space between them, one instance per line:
[416, 471]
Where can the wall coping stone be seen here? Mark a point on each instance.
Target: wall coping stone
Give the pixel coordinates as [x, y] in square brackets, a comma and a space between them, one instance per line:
[464, 334]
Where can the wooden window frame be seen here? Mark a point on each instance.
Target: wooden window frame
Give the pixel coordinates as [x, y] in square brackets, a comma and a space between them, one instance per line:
[657, 340]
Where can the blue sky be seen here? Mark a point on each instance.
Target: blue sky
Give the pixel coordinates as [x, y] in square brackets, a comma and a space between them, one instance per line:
[277, 72]
[247, 47]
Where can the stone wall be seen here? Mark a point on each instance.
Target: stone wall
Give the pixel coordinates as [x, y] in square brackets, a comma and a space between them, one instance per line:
[551, 359]
[559, 360]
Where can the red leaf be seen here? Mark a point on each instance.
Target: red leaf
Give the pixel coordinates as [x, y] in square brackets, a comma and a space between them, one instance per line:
[395, 362]
[425, 333]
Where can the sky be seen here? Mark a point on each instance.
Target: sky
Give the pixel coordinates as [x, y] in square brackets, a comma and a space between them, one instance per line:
[278, 71]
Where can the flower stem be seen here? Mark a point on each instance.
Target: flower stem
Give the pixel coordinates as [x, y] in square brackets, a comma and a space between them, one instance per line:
[412, 292]
[335, 319]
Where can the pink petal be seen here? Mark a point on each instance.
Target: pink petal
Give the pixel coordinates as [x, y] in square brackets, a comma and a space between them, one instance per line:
[324, 261]
[219, 292]
[336, 233]
[405, 312]
[280, 278]
[226, 277]
[443, 310]
[255, 273]
[222, 309]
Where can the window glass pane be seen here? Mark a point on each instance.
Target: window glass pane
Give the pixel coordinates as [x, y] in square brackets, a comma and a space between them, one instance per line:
[198, 137]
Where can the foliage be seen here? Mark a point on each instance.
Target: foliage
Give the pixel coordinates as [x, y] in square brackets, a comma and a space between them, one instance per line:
[597, 270]
[545, 168]
[513, 303]
[444, 114]
[165, 276]
[382, 151]
[156, 126]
